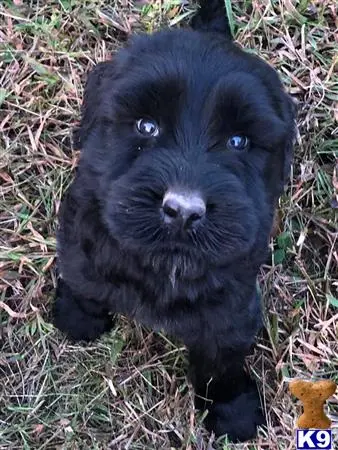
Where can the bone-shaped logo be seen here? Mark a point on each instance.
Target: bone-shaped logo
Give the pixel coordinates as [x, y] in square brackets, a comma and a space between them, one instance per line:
[313, 395]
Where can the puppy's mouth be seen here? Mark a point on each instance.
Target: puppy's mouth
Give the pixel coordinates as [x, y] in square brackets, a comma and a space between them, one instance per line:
[180, 222]
[163, 235]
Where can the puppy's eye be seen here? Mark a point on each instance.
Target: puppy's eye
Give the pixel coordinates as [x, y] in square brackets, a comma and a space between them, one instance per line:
[238, 142]
[147, 127]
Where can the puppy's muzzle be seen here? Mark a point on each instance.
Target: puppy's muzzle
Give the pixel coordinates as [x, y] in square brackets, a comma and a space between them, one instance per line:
[184, 208]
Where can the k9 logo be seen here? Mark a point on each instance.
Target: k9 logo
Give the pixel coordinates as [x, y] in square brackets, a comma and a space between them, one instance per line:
[314, 439]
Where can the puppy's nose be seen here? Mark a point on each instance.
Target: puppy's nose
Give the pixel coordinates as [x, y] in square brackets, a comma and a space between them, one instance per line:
[188, 208]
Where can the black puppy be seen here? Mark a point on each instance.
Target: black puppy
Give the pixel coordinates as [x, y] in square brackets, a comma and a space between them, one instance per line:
[186, 145]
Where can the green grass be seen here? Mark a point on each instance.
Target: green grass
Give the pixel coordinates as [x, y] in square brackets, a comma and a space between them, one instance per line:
[128, 390]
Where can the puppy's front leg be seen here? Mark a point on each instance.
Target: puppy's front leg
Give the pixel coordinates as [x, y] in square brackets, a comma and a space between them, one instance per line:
[227, 392]
[81, 319]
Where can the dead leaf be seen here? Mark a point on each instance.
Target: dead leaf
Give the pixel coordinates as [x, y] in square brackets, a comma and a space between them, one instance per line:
[335, 177]
[335, 111]
[4, 176]
[38, 429]
[11, 313]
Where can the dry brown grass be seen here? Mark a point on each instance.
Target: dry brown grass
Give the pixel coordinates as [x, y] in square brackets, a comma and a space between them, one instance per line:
[128, 390]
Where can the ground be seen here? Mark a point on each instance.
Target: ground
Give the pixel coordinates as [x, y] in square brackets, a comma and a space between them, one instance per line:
[128, 390]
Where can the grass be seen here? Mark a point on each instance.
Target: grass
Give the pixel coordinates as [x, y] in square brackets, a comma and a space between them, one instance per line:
[128, 390]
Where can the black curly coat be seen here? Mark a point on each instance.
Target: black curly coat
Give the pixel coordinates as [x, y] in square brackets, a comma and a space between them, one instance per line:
[117, 254]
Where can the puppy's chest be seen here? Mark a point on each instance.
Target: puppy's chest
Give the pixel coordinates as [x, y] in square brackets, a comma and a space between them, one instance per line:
[165, 300]
[162, 299]
[170, 287]
[155, 293]
[191, 306]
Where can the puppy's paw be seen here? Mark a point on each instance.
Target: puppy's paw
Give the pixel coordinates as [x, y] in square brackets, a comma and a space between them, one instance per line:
[69, 318]
[238, 418]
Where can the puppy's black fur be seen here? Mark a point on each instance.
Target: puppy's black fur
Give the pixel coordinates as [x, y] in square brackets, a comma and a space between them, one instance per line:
[117, 254]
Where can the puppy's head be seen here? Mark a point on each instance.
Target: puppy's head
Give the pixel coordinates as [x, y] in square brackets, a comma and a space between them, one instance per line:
[186, 141]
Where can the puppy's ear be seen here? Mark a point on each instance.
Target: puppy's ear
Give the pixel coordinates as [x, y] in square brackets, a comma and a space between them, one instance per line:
[92, 100]
[211, 17]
